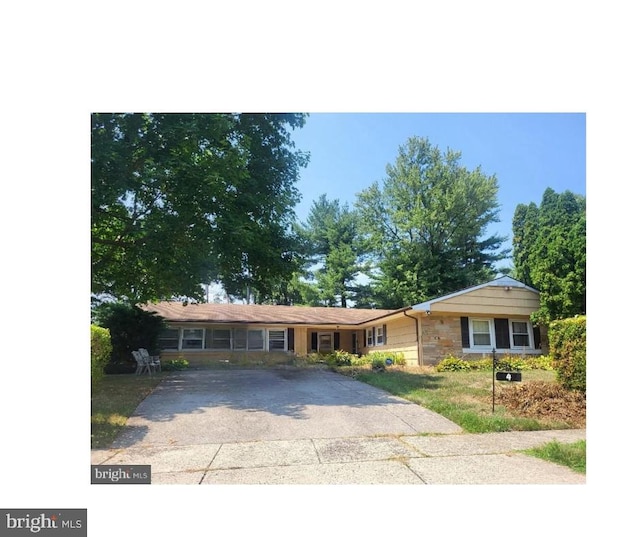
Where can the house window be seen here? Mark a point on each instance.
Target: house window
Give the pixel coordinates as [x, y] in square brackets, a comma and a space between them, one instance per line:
[276, 340]
[481, 333]
[256, 340]
[377, 335]
[520, 331]
[192, 338]
[500, 333]
[380, 335]
[169, 339]
[221, 339]
[240, 339]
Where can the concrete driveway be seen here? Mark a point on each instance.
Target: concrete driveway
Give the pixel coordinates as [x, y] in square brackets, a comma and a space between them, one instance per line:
[310, 426]
[222, 406]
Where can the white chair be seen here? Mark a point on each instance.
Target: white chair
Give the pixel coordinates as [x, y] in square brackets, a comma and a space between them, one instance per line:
[141, 363]
[153, 361]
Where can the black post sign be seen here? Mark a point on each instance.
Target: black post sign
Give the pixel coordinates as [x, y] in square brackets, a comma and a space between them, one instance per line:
[510, 376]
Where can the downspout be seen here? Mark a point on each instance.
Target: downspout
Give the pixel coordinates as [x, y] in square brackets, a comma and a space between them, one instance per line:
[417, 336]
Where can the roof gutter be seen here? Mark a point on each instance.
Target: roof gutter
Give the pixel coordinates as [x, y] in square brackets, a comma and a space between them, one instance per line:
[384, 316]
[419, 347]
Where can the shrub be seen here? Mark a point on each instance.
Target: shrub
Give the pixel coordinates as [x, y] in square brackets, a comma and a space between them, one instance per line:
[544, 362]
[568, 349]
[131, 328]
[175, 365]
[100, 351]
[397, 358]
[340, 358]
[453, 363]
[313, 358]
[506, 362]
[363, 360]
[512, 363]
[484, 364]
[378, 363]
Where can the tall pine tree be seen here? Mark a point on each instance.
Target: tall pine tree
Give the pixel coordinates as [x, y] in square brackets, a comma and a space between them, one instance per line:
[331, 234]
[550, 253]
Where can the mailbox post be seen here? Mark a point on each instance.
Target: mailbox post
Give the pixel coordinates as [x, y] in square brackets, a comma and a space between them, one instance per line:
[510, 376]
[493, 380]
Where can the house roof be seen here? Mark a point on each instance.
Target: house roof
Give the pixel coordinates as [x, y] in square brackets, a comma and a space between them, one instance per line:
[264, 314]
[503, 281]
[300, 315]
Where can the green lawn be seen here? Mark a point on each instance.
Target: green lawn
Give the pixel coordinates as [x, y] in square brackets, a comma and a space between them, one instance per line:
[464, 397]
[572, 455]
[113, 400]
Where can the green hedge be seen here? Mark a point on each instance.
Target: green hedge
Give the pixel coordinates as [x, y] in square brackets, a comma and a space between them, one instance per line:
[343, 358]
[100, 351]
[506, 362]
[568, 349]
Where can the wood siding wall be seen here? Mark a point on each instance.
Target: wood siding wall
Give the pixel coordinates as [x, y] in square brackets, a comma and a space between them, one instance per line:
[401, 337]
[489, 300]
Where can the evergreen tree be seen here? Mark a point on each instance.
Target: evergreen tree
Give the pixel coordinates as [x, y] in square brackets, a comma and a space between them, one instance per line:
[331, 235]
[550, 253]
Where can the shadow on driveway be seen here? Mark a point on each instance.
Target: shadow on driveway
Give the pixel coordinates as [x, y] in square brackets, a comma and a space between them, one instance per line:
[220, 406]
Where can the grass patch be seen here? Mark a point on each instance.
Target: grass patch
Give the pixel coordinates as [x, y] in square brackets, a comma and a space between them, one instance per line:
[572, 455]
[113, 400]
[464, 397]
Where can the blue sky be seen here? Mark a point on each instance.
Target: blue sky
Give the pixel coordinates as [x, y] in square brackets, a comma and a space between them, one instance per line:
[526, 152]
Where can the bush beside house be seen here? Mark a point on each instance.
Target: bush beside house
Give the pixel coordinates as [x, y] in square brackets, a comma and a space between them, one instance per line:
[100, 351]
[505, 362]
[131, 328]
[568, 349]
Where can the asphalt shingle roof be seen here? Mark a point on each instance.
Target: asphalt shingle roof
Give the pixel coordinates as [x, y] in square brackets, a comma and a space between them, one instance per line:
[264, 314]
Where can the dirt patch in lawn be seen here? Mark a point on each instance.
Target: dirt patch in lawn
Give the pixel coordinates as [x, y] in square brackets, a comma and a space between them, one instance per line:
[545, 401]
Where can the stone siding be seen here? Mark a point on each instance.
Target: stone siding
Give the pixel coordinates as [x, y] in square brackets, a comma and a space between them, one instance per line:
[441, 337]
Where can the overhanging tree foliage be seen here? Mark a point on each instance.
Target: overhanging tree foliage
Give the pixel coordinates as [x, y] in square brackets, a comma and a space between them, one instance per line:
[550, 253]
[425, 226]
[179, 200]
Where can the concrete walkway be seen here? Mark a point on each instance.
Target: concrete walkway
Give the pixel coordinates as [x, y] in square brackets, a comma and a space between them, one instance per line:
[314, 427]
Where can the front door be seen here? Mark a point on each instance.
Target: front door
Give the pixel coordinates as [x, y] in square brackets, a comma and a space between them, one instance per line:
[325, 341]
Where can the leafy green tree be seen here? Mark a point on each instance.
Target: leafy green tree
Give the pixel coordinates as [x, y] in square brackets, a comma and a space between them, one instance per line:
[130, 328]
[550, 253]
[331, 236]
[425, 226]
[180, 200]
[300, 289]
